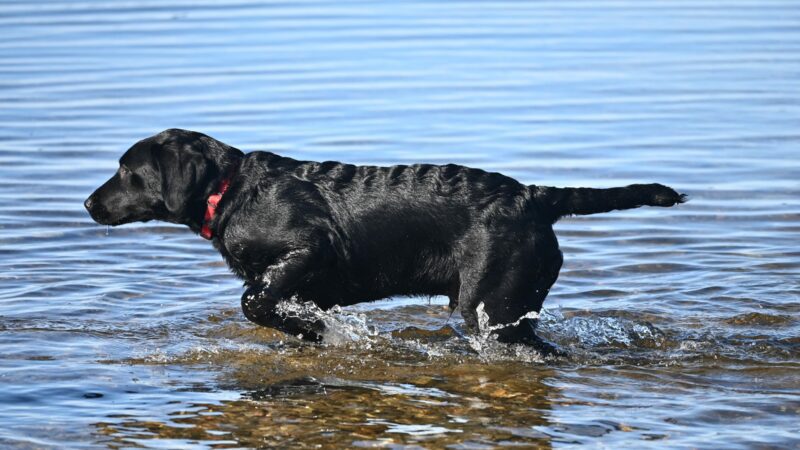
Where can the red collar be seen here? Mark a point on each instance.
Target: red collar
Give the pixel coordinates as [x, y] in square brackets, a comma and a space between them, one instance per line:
[211, 208]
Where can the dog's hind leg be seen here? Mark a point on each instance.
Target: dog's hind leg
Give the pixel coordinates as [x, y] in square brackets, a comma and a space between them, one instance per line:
[268, 303]
[506, 290]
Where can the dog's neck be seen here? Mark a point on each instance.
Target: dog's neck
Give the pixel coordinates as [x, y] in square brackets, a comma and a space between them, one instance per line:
[198, 217]
[206, 230]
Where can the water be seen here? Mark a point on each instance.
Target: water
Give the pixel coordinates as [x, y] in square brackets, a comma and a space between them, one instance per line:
[681, 324]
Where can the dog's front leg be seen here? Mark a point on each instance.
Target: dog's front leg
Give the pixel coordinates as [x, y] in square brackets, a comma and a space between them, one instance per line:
[265, 302]
[261, 306]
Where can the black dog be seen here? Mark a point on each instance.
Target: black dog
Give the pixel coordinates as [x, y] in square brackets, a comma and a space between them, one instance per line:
[339, 234]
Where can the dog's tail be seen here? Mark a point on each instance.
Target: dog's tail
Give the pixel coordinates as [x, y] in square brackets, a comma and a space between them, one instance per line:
[560, 202]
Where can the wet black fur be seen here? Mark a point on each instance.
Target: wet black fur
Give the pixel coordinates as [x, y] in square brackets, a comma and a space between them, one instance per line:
[339, 234]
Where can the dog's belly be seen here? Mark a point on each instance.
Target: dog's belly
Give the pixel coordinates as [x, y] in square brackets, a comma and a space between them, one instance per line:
[373, 279]
[329, 293]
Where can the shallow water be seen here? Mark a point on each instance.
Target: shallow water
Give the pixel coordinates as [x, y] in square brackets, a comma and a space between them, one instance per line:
[681, 324]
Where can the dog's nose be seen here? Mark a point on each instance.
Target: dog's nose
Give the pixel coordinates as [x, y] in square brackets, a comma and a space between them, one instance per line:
[88, 203]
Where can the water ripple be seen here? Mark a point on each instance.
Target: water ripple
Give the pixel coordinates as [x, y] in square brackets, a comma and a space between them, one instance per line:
[686, 317]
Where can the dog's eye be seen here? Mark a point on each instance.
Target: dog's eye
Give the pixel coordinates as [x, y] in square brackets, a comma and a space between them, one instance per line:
[124, 171]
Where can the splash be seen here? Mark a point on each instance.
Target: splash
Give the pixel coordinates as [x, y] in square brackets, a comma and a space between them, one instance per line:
[486, 329]
[490, 350]
[341, 327]
[604, 332]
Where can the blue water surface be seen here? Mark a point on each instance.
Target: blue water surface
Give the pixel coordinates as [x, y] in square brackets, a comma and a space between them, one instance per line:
[682, 324]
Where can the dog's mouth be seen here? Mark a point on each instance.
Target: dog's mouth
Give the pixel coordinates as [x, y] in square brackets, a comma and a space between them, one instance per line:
[99, 214]
[102, 220]
[102, 216]
[109, 222]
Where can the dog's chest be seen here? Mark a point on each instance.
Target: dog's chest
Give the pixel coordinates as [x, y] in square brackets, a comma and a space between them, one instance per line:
[240, 262]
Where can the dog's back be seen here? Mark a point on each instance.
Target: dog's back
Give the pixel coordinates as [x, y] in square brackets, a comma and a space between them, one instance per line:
[399, 230]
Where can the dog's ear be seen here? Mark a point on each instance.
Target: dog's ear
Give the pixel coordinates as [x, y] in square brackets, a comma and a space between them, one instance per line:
[183, 172]
[191, 165]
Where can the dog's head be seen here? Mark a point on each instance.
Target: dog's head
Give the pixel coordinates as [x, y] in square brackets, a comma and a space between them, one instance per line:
[166, 177]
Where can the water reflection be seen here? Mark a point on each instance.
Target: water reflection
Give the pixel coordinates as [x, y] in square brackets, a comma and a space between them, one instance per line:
[361, 398]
